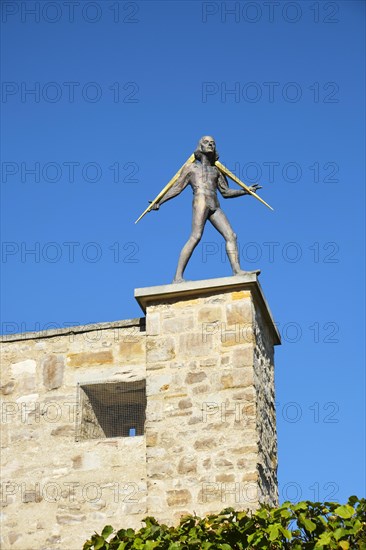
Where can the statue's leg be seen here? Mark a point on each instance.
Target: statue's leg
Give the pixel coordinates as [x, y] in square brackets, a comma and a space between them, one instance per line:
[199, 217]
[222, 224]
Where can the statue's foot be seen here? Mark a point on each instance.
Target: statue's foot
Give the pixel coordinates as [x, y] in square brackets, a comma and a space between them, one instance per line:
[242, 272]
[177, 280]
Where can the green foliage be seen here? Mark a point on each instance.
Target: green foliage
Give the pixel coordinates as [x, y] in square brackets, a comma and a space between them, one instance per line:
[303, 526]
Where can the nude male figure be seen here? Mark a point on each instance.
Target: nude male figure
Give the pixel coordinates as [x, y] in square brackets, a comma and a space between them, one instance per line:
[205, 179]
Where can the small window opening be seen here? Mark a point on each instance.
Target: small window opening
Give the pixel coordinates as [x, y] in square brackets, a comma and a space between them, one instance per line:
[111, 409]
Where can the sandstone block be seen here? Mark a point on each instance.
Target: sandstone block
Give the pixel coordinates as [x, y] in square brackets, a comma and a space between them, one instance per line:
[152, 324]
[210, 493]
[250, 476]
[133, 352]
[241, 295]
[29, 398]
[31, 496]
[185, 304]
[236, 335]
[223, 463]
[187, 465]
[151, 438]
[225, 478]
[178, 324]
[248, 463]
[53, 371]
[237, 378]
[85, 359]
[77, 462]
[160, 349]
[209, 314]
[64, 431]
[158, 383]
[206, 443]
[195, 420]
[204, 388]
[195, 344]
[8, 388]
[242, 356]
[245, 449]
[185, 404]
[13, 536]
[209, 362]
[23, 367]
[70, 518]
[160, 470]
[239, 312]
[194, 377]
[178, 497]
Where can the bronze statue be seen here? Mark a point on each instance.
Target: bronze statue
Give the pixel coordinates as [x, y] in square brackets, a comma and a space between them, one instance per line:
[206, 175]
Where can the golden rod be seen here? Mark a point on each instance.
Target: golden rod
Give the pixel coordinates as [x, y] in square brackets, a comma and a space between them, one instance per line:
[166, 189]
[232, 176]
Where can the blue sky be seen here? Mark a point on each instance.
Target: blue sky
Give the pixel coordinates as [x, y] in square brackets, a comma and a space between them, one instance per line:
[122, 93]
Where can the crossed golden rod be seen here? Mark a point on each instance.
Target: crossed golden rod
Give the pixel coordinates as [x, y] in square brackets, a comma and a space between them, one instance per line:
[222, 169]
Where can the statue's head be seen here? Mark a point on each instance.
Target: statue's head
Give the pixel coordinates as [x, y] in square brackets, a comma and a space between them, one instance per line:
[206, 146]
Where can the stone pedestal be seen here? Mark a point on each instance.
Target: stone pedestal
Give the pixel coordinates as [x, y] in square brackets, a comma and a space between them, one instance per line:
[210, 419]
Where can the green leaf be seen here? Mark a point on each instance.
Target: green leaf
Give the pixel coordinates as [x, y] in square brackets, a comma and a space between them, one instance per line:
[339, 533]
[323, 520]
[273, 531]
[255, 537]
[108, 529]
[357, 526]
[98, 542]
[149, 520]
[286, 533]
[325, 538]
[263, 514]
[346, 511]
[300, 506]
[307, 523]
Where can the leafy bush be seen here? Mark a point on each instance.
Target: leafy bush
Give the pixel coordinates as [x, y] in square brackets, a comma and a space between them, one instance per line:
[303, 526]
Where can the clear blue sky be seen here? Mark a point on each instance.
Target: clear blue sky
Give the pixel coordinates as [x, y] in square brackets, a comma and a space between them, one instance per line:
[121, 97]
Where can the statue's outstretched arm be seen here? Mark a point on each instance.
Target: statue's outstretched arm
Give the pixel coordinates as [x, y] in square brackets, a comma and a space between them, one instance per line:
[228, 193]
[225, 190]
[179, 185]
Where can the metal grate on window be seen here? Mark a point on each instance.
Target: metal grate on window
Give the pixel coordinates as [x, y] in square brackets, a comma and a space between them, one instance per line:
[110, 409]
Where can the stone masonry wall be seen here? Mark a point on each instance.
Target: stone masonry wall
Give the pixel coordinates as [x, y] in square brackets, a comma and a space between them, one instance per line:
[206, 357]
[57, 491]
[266, 412]
[210, 438]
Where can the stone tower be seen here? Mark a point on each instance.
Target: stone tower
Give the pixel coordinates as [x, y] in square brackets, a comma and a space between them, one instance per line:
[210, 420]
